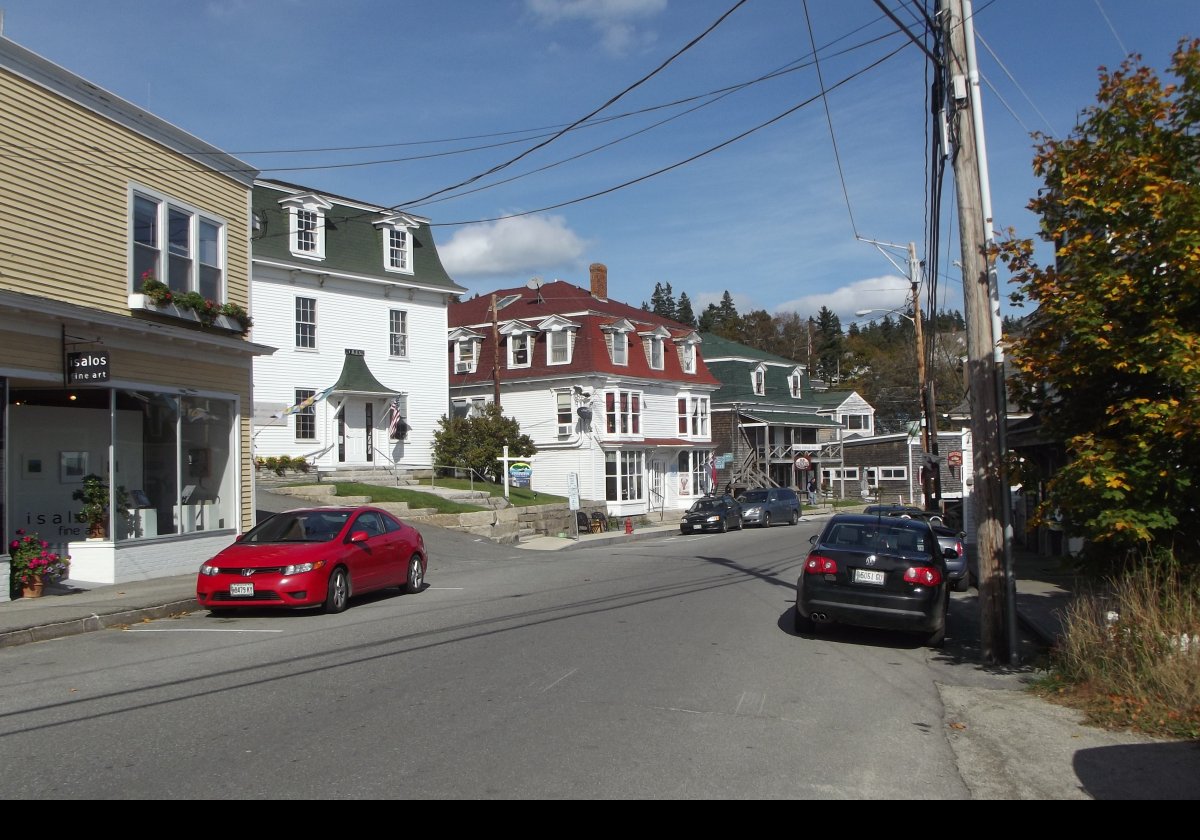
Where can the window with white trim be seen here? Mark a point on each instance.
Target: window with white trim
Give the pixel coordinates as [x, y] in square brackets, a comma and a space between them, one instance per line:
[564, 412]
[689, 358]
[620, 348]
[857, 421]
[694, 472]
[306, 323]
[829, 474]
[558, 347]
[465, 355]
[693, 416]
[519, 351]
[306, 418]
[623, 412]
[795, 385]
[893, 473]
[398, 334]
[176, 244]
[623, 476]
[399, 249]
[656, 352]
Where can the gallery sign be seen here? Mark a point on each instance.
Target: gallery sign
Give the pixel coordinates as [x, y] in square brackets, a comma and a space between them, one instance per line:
[87, 367]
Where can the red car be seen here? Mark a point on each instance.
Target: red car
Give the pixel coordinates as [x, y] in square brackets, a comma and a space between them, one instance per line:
[314, 557]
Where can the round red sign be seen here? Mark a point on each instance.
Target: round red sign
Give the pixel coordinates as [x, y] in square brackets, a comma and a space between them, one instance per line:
[954, 459]
[802, 463]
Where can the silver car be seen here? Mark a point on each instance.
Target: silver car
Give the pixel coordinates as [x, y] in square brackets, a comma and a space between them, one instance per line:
[767, 505]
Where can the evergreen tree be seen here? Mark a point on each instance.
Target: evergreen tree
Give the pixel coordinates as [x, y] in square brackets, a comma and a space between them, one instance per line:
[683, 311]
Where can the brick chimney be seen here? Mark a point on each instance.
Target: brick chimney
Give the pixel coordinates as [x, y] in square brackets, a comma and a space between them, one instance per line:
[599, 274]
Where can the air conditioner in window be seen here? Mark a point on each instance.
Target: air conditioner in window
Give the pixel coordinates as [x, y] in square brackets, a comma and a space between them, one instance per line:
[564, 429]
[462, 367]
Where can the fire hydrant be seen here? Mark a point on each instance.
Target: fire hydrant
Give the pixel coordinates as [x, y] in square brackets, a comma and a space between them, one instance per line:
[628, 525]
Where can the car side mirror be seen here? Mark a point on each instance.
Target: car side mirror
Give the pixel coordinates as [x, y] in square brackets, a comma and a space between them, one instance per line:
[359, 536]
[813, 539]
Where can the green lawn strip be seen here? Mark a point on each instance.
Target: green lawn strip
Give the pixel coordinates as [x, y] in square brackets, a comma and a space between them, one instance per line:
[521, 496]
[415, 498]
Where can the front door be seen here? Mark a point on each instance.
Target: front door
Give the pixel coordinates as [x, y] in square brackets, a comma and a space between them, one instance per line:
[353, 432]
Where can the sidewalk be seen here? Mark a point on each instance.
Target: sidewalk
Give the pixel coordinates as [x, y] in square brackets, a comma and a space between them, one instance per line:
[68, 608]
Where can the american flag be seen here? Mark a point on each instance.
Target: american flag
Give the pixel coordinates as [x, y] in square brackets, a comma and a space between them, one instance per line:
[396, 424]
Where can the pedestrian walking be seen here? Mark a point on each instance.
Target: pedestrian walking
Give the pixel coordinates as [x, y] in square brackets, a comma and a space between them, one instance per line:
[812, 491]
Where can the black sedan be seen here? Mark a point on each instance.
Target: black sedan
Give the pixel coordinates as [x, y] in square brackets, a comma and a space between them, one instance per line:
[872, 571]
[712, 513]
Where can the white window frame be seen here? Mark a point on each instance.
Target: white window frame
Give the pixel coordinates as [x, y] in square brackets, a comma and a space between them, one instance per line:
[625, 419]
[864, 419]
[306, 416]
[564, 407]
[758, 380]
[689, 358]
[308, 324]
[161, 252]
[657, 356]
[398, 258]
[629, 472]
[306, 218]
[562, 336]
[470, 358]
[620, 348]
[796, 385]
[893, 473]
[526, 342]
[398, 338]
[699, 417]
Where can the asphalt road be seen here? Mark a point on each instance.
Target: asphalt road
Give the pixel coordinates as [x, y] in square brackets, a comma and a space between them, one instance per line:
[659, 669]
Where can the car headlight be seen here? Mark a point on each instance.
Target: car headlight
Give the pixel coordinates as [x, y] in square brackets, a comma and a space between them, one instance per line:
[713, 519]
[208, 570]
[301, 568]
[753, 511]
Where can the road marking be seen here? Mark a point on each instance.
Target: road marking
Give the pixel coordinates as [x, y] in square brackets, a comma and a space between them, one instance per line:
[753, 701]
[560, 679]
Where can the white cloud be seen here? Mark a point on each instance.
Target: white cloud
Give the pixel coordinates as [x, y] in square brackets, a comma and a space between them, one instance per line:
[523, 245]
[611, 18]
[885, 292]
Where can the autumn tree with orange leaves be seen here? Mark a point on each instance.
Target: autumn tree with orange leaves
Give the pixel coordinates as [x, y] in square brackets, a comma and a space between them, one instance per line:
[1110, 359]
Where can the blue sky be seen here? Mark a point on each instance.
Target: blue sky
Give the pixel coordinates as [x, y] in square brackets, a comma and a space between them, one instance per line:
[393, 103]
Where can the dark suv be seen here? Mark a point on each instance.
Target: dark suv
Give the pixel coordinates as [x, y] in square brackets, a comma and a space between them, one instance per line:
[765, 505]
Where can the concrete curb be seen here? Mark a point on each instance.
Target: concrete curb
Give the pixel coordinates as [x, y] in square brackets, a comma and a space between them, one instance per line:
[96, 621]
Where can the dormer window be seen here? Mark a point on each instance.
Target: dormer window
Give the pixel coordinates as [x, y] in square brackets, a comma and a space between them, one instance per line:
[620, 348]
[306, 225]
[796, 385]
[397, 230]
[465, 355]
[518, 350]
[656, 353]
[688, 358]
[558, 347]
[760, 381]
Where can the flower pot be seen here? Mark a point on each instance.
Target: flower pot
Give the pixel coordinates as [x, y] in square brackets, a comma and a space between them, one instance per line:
[33, 589]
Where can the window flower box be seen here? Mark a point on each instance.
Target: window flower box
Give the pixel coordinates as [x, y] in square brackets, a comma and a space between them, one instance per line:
[189, 306]
[140, 301]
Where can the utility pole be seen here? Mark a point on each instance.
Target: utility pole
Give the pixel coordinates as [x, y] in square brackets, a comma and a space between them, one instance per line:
[987, 493]
[931, 484]
[496, 363]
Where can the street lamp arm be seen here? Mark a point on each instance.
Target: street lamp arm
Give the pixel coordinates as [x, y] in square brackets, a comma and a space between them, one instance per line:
[861, 312]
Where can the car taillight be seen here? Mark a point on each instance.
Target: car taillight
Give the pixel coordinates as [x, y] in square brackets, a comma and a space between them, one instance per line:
[923, 575]
[818, 565]
[958, 547]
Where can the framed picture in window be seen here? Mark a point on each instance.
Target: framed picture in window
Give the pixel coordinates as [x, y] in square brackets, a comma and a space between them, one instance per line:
[72, 467]
[32, 467]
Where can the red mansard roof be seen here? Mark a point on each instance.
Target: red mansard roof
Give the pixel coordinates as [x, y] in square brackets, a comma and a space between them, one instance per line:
[590, 355]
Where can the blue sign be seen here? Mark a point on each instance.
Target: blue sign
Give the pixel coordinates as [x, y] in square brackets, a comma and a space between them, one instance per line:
[519, 475]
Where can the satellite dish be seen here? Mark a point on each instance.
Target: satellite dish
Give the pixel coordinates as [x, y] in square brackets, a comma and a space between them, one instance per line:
[535, 284]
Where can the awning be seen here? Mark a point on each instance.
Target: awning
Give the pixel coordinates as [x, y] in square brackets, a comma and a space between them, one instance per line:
[789, 418]
[357, 379]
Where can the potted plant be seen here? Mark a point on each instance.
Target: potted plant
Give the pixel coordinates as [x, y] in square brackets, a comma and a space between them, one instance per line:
[94, 495]
[33, 564]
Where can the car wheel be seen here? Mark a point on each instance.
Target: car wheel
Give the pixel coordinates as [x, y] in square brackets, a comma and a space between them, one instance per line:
[795, 518]
[766, 523]
[804, 624]
[685, 531]
[724, 526]
[938, 637]
[962, 584]
[337, 595]
[741, 524]
[416, 576]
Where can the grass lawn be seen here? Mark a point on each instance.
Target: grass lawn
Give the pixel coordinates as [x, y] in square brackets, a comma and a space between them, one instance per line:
[521, 496]
[415, 498]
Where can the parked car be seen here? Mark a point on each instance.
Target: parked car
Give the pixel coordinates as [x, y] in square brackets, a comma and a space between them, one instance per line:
[766, 505]
[314, 557]
[873, 571]
[909, 511]
[956, 567]
[712, 513]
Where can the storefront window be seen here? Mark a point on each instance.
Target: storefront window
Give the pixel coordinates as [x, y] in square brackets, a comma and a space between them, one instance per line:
[206, 469]
[145, 461]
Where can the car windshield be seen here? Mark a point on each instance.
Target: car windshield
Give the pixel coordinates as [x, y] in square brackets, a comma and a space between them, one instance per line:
[298, 526]
[875, 538]
[755, 496]
[705, 505]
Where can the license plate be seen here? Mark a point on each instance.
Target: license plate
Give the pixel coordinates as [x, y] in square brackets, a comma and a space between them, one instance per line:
[241, 590]
[868, 576]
